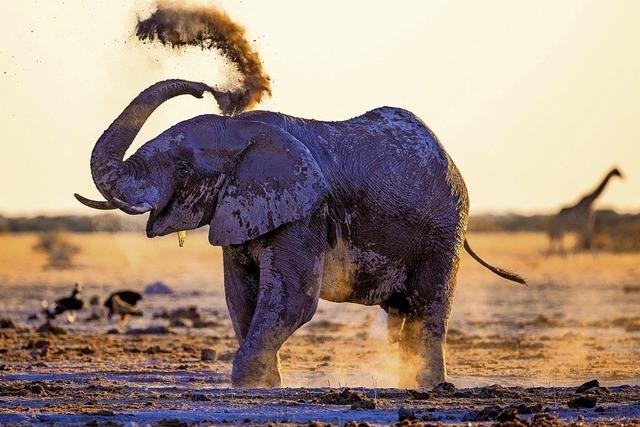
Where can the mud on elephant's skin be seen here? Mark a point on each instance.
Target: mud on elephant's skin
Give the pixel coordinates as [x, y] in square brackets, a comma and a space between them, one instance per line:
[369, 210]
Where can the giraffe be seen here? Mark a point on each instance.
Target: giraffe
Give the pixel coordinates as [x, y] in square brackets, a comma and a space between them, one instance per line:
[578, 218]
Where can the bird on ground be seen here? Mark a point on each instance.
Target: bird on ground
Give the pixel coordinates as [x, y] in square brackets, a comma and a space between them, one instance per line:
[123, 303]
[70, 305]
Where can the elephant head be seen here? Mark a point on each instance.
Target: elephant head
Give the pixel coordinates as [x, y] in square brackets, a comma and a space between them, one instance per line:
[242, 177]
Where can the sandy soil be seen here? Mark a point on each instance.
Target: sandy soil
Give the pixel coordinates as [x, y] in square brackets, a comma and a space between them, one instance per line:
[578, 320]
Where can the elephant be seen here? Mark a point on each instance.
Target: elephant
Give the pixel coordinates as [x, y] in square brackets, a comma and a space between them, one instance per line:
[370, 210]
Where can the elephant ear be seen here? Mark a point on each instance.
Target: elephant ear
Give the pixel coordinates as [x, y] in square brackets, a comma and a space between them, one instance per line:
[275, 180]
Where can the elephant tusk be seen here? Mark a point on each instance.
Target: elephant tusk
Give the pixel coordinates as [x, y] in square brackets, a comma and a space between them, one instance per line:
[95, 204]
[182, 234]
[140, 208]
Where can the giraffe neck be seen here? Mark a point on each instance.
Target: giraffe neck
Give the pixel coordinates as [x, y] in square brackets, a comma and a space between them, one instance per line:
[591, 197]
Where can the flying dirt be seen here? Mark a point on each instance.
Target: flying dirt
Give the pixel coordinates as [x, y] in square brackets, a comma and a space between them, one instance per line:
[177, 25]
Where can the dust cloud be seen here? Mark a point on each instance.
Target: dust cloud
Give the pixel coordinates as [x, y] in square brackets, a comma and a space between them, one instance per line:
[178, 25]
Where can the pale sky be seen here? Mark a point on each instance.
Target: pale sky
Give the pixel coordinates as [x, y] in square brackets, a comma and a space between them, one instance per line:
[534, 100]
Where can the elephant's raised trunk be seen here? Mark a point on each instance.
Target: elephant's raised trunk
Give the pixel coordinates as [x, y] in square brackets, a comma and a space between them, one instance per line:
[108, 153]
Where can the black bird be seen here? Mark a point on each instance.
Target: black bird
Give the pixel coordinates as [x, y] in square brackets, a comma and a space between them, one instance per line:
[123, 303]
[70, 304]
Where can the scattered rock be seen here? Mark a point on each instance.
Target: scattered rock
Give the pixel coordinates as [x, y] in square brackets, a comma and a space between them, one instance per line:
[86, 350]
[507, 414]
[188, 348]
[39, 348]
[545, 420]
[344, 397]
[592, 387]
[495, 412]
[157, 288]
[525, 409]
[488, 413]
[114, 331]
[517, 422]
[150, 330]
[197, 397]
[179, 322]
[208, 355]
[172, 423]
[444, 389]
[191, 312]
[186, 317]
[36, 388]
[155, 349]
[36, 344]
[7, 323]
[365, 403]
[585, 401]
[199, 323]
[413, 417]
[406, 414]
[464, 393]
[49, 328]
[419, 395]
[496, 390]
[588, 385]
[599, 391]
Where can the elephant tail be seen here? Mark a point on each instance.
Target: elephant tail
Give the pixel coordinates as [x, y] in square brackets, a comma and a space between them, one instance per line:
[497, 270]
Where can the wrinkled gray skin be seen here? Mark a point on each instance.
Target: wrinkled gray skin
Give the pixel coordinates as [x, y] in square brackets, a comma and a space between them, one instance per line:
[369, 210]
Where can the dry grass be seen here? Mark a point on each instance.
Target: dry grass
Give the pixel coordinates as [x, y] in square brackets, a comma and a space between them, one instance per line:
[119, 259]
[577, 319]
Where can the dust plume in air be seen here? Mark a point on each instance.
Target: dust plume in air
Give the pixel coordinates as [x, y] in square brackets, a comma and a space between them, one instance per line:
[178, 25]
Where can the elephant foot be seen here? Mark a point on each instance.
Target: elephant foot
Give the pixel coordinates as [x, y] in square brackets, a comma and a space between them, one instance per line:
[422, 355]
[256, 372]
[428, 381]
[417, 376]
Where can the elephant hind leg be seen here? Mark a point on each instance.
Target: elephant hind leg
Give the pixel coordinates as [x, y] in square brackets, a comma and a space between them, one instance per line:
[422, 343]
[395, 324]
[422, 351]
[396, 309]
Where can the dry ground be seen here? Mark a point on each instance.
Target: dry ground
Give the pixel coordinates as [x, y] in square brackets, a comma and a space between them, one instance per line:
[577, 320]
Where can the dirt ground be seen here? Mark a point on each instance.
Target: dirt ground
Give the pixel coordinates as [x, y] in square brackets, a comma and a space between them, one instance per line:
[508, 345]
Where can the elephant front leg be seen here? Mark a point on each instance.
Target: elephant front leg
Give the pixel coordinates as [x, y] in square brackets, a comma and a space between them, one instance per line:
[240, 289]
[287, 298]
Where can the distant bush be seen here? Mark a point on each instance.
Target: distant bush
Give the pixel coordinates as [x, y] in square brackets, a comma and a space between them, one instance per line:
[614, 231]
[59, 251]
[617, 232]
[76, 223]
[509, 222]
[4, 224]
